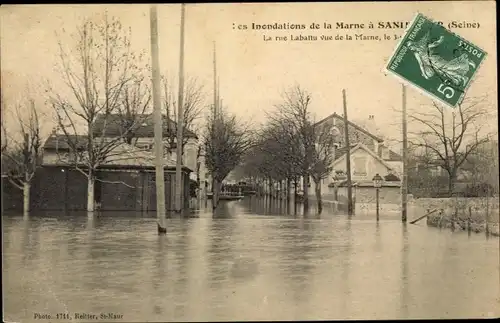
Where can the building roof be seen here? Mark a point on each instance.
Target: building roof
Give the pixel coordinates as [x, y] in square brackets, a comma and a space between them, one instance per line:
[111, 123]
[62, 142]
[339, 152]
[123, 155]
[392, 155]
[336, 116]
[128, 155]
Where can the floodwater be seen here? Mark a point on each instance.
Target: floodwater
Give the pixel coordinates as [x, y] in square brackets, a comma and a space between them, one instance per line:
[240, 265]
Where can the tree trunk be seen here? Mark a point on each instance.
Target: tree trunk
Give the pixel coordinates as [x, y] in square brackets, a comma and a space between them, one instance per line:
[90, 193]
[288, 191]
[451, 183]
[317, 190]
[216, 186]
[305, 189]
[26, 198]
[295, 194]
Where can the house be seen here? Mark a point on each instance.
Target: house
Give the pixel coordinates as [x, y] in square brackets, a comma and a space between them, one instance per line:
[369, 156]
[125, 180]
[142, 134]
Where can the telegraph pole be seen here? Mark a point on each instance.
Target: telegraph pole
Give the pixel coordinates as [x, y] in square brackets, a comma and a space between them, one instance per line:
[215, 83]
[180, 120]
[348, 157]
[404, 184]
[158, 123]
[219, 100]
[214, 123]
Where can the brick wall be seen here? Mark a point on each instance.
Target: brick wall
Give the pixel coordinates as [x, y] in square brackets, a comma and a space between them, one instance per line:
[365, 197]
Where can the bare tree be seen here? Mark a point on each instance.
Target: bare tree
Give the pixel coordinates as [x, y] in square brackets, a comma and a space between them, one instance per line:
[295, 109]
[21, 149]
[194, 98]
[226, 141]
[134, 102]
[450, 136]
[323, 158]
[97, 72]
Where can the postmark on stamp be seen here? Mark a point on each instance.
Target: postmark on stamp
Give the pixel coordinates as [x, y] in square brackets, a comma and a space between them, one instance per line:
[439, 63]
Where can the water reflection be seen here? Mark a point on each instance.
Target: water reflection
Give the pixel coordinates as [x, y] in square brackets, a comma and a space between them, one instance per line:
[405, 281]
[345, 260]
[245, 264]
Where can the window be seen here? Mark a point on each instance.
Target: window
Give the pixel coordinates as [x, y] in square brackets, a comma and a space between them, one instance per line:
[360, 166]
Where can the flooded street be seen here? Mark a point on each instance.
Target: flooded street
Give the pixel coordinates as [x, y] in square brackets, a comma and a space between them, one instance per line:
[243, 266]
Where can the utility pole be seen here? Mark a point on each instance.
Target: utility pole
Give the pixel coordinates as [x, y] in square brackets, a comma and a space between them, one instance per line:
[158, 123]
[348, 157]
[180, 120]
[404, 184]
[214, 122]
[219, 99]
[215, 83]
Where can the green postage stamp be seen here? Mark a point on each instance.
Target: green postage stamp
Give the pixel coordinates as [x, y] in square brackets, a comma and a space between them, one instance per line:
[436, 61]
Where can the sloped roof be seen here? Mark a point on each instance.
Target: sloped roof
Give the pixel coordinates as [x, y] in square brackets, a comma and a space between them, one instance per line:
[62, 142]
[128, 155]
[339, 152]
[336, 116]
[122, 155]
[392, 155]
[111, 123]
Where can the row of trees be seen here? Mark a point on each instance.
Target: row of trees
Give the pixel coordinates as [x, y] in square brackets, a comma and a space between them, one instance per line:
[292, 146]
[102, 83]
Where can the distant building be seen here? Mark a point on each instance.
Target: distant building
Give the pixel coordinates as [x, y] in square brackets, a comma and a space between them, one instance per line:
[369, 153]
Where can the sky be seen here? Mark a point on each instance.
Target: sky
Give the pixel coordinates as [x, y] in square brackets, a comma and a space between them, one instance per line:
[253, 72]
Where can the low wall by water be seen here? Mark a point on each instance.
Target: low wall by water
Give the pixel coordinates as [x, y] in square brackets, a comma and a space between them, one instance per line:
[440, 220]
[478, 204]
[475, 214]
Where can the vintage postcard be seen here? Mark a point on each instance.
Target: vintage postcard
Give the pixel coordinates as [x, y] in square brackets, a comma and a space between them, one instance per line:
[249, 161]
